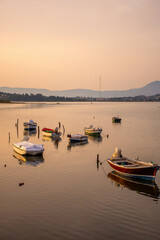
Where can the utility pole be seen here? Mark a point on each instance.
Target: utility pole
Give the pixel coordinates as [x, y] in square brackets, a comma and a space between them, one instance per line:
[100, 78]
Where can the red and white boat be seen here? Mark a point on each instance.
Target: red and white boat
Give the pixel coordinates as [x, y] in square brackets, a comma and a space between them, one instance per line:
[132, 168]
[48, 132]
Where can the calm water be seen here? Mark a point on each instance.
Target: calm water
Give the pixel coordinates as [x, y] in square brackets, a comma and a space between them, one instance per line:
[65, 194]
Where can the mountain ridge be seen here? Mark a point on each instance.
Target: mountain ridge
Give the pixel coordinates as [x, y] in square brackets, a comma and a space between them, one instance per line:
[151, 88]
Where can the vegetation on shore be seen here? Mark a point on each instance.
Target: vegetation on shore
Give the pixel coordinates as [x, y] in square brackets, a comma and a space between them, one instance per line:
[5, 101]
[9, 97]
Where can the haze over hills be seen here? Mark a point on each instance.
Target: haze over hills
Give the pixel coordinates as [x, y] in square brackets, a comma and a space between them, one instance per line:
[148, 90]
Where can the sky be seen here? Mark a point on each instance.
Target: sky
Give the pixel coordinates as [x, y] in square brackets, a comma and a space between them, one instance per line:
[69, 44]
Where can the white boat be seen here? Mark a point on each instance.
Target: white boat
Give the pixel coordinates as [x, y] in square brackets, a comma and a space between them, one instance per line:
[92, 130]
[51, 133]
[31, 125]
[28, 148]
[77, 138]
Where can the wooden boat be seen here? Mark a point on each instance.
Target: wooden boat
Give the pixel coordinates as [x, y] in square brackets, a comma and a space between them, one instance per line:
[28, 148]
[116, 120]
[31, 125]
[144, 187]
[132, 168]
[77, 138]
[50, 132]
[92, 130]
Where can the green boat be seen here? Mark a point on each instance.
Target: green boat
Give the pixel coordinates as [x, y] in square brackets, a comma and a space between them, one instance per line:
[92, 131]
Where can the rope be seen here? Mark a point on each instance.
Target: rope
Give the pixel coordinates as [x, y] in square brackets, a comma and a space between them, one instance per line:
[103, 162]
[104, 171]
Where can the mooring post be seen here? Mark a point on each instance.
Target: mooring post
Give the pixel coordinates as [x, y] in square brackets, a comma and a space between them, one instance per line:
[97, 158]
[9, 136]
[97, 161]
[63, 130]
[17, 127]
[38, 131]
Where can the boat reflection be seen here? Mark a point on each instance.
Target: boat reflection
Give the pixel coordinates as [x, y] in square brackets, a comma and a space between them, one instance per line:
[73, 144]
[55, 139]
[30, 160]
[30, 132]
[143, 187]
[96, 139]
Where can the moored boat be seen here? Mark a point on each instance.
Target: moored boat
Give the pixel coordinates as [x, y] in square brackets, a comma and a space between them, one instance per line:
[116, 120]
[132, 168]
[27, 148]
[77, 138]
[31, 125]
[92, 130]
[48, 132]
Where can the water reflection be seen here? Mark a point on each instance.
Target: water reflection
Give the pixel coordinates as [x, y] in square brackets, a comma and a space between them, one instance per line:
[73, 144]
[96, 139]
[30, 132]
[30, 160]
[147, 188]
[56, 140]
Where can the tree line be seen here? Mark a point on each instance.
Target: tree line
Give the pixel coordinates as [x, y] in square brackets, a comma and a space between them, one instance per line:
[9, 97]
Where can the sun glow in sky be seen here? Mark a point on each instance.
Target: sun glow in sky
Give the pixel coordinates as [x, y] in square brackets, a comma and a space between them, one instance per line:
[67, 44]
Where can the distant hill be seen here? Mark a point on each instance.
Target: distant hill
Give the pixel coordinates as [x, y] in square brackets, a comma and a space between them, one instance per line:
[150, 89]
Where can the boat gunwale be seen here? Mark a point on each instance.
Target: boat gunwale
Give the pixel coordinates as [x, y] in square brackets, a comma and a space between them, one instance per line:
[137, 165]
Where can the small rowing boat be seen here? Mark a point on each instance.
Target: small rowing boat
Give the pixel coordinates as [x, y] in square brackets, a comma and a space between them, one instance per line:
[27, 148]
[116, 120]
[92, 130]
[77, 138]
[48, 132]
[31, 125]
[132, 168]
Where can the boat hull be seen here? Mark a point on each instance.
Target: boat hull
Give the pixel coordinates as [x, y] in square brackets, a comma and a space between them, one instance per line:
[93, 132]
[78, 139]
[147, 173]
[116, 120]
[49, 134]
[27, 152]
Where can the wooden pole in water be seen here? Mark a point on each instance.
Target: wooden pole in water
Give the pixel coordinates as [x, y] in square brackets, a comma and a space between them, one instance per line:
[17, 126]
[38, 131]
[97, 161]
[63, 130]
[97, 158]
[9, 136]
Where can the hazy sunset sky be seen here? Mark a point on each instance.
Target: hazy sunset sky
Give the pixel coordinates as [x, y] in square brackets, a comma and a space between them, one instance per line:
[68, 44]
